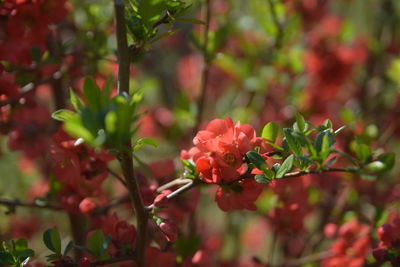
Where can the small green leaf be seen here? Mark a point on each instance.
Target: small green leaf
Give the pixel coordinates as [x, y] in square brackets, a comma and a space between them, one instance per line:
[375, 166]
[62, 114]
[75, 100]
[285, 167]
[52, 240]
[6, 258]
[388, 159]
[301, 123]
[92, 94]
[262, 179]
[145, 141]
[257, 160]
[293, 144]
[270, 131]
[95, 243]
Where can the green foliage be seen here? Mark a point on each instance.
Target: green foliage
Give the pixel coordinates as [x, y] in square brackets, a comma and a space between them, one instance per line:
[15, 253]
[270, 131]
[97, 245]
[102, 120]
[143, 17]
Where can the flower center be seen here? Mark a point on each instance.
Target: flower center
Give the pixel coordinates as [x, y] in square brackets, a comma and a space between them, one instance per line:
[229, 158]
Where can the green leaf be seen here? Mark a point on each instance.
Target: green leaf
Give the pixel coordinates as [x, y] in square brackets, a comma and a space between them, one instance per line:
[92, 94]
[262, 179]
[95, 243]
[257, 160]
[319, 141]
[285, 167]
[270, 131]
[74, 127]
[293, 144]
[300, 123]
[375, 166]
[362, 151]
[6, 258]
[145, 141]
[52, 240]
[75, 100]
[388, 159]
[62, 114]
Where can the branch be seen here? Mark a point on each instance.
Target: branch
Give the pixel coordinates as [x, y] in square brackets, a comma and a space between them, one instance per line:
[12, 204]
[123, 49]
[193, 183]
[205, 71]
[97, 263]
[104, 209]
[125, 158]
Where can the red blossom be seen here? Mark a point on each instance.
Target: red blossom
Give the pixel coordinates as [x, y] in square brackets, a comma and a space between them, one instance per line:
[239, 196]
[352, 246]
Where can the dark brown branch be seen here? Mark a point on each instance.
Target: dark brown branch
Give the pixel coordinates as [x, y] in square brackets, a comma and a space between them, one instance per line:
[125, 158]
[12, 204]
[98, 263]
[196, 182]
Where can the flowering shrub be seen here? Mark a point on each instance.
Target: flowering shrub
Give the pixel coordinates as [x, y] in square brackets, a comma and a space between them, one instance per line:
[97, 99]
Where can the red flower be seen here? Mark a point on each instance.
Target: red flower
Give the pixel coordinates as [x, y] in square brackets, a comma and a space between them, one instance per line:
[351, 247]
[241, 195]
[169, 230]
[220, 148]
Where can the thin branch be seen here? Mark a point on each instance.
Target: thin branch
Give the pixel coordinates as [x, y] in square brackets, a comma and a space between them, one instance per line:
[197, 182]
[123, 49]
[178, 181]
[98, 263]
[180, 191]
[12, 204]
[206, 69]
[116, 176]
[125, 158]
[104, 209]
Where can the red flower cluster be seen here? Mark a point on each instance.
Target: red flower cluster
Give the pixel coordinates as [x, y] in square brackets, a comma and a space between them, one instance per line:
[218, 154]
[389, 247]
[80, 169]
[121, 232]
[352, 246]
[27, 26]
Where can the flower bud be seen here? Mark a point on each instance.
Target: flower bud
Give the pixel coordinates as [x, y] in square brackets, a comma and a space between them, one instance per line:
[87, 205]
[169, 230]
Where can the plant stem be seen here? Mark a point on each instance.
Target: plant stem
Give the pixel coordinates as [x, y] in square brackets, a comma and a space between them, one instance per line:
[126, 158]
[205, 71]
[123, 49]
[12, 204]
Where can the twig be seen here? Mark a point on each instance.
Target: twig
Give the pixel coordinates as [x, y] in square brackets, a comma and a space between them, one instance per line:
[125, 158]
[116, 176]
[178, 181]
[97, 263]
[206, 69]
[179, 191]
[16, 203]
[104, 209]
